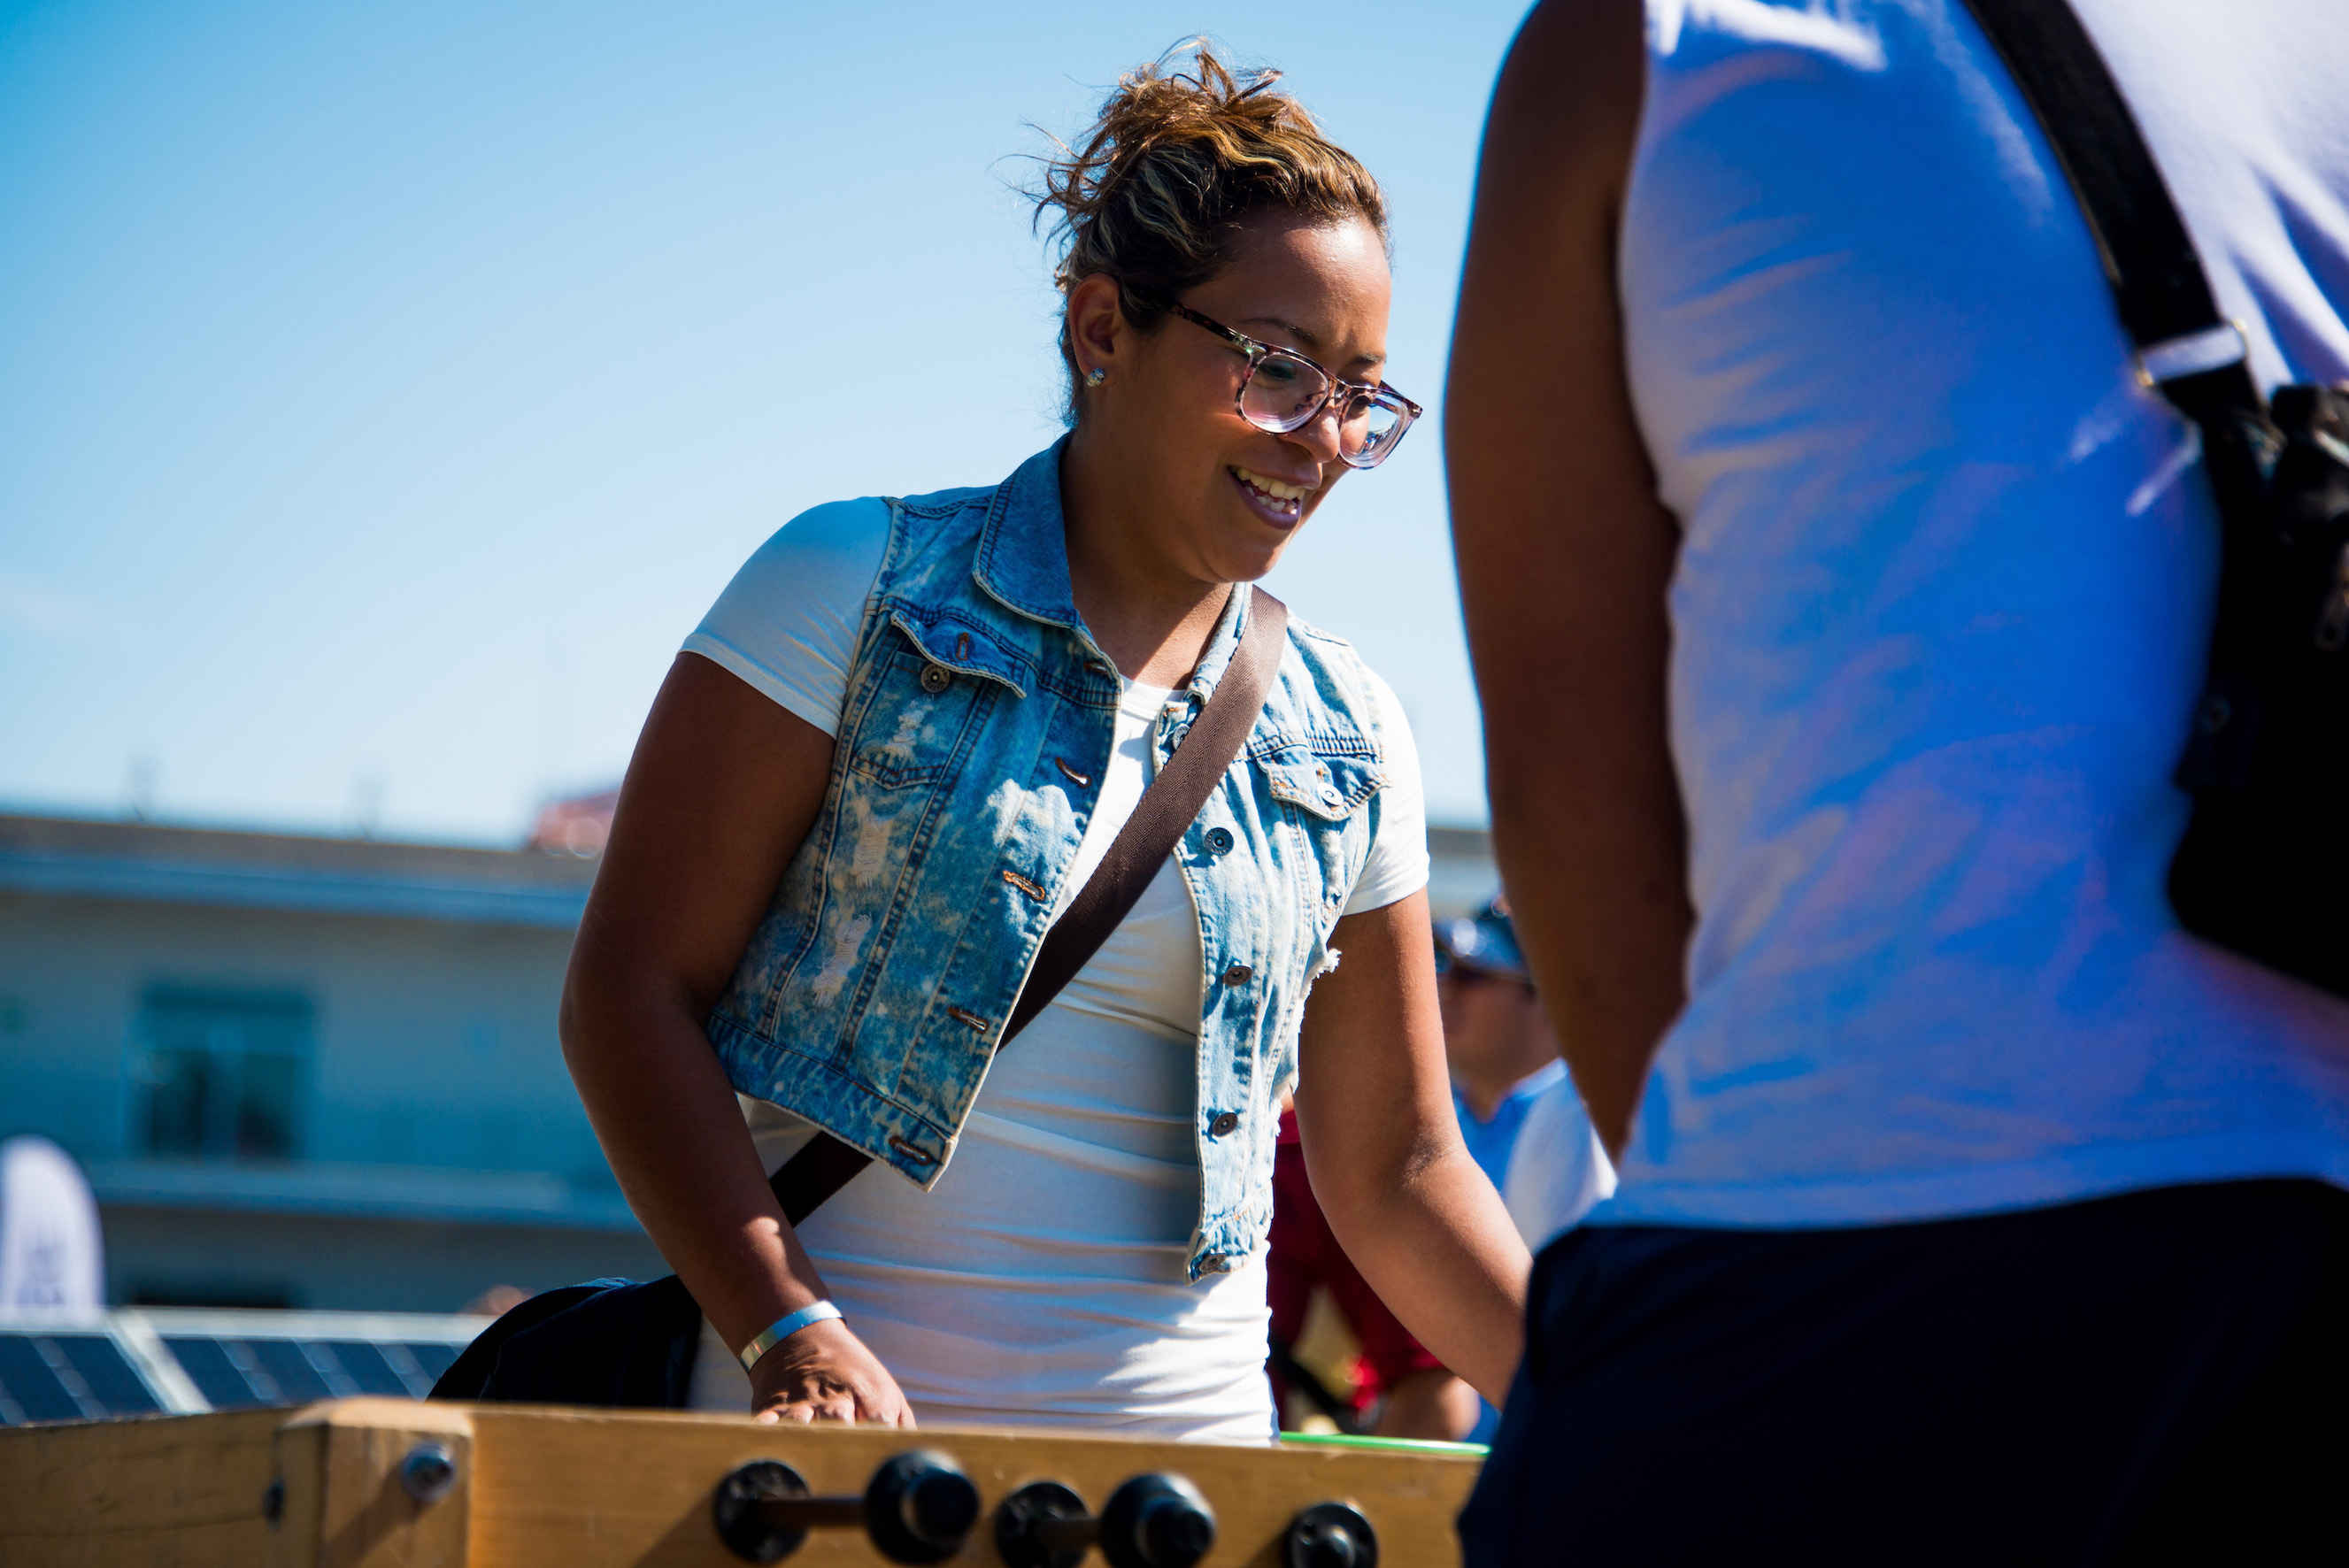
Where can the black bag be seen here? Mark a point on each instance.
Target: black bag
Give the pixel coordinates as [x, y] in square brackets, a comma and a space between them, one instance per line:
[625, 1343]
[2264, 866]
[622, 1343]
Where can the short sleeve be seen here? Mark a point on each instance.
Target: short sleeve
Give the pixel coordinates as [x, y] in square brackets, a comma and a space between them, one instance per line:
[788, 623]
[1557, 1169]
[1397, 866]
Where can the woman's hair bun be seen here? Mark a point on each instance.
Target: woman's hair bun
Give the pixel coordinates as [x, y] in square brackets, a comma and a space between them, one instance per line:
[1184, 148]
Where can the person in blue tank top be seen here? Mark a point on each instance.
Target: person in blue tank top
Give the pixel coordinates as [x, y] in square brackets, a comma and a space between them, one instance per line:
[1839, 588]
[903, 739]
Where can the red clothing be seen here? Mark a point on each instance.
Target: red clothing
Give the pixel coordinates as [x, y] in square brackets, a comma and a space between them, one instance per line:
[1304, 1254]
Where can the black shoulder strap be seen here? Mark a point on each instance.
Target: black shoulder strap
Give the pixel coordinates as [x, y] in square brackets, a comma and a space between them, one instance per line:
[1169, 807]
[2186, 348]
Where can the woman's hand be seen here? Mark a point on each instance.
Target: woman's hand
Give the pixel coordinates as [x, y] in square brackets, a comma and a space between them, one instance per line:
[824, 1373]
[718, 799]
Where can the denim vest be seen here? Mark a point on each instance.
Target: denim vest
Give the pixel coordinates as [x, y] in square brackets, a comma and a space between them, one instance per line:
[978, 723]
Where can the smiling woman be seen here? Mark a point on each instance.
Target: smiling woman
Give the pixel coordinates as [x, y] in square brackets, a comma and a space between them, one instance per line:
[901, 742]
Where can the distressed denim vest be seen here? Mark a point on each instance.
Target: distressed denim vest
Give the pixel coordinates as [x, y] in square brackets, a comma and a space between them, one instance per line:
[970, 755]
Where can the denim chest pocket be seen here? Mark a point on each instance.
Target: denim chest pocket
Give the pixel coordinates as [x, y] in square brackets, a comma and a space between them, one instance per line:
[926, 702]
[1323, 780]
[1320, 785]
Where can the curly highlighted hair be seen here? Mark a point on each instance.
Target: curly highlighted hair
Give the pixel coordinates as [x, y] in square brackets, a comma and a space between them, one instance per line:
[1183, 152]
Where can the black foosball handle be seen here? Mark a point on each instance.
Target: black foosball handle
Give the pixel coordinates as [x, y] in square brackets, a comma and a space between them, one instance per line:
[1155, 1520]
[1330, 1535]
[919, 1509]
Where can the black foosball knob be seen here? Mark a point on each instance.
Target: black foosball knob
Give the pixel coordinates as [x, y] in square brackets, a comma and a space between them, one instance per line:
[1043, 1525]
[1152, 1521]
[920, 1507]
[1330, 1535]
[750, 1509]
[1156, 1522]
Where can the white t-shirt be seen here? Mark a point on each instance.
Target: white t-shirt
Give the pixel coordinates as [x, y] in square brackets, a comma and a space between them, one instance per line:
[1557, 1170]
[1043, 1279]
[1940, 609]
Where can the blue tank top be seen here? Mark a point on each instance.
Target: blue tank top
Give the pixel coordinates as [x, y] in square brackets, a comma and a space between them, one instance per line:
[1941, 611]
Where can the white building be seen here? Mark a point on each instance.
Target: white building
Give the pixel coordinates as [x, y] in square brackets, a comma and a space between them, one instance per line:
[323, 1073]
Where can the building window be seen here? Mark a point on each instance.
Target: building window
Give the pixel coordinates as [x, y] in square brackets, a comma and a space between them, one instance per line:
[223, 1072]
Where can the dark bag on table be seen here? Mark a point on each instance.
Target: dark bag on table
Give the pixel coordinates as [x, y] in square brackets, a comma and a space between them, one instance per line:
[2264, 866]
[625, 1343]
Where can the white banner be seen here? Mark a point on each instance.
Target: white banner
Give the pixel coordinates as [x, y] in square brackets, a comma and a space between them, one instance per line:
[51, 1251]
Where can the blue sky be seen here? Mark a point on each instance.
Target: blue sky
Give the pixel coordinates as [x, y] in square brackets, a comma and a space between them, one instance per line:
[384, 391]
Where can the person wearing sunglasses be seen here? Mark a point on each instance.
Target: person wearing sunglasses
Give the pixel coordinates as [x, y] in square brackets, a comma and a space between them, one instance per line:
[1520, 1114]
[909, 730]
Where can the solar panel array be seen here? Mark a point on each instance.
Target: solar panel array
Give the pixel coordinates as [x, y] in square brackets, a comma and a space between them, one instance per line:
[141, 1362]
[68, 1377]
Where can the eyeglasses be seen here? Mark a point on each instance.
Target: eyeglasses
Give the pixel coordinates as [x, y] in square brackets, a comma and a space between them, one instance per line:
[1282, 391]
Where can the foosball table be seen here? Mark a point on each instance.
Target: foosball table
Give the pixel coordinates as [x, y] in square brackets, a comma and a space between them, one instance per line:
[386, 1482]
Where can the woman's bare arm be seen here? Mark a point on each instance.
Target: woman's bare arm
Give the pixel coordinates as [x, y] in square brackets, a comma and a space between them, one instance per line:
[1383, 1149]
[1565, 553]
[722, 791]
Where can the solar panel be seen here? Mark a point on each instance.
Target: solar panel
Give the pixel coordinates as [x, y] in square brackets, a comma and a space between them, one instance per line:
[31, 1384]
[137, 1361]
[435, 1357]
[409, 1366]
[298, 1378]
[220, 1380]
[368, 1370]
[107, 1374]
[62, 1377]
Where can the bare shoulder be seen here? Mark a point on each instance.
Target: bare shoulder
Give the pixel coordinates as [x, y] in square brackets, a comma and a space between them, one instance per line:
[1569, 96]
[1538, 302]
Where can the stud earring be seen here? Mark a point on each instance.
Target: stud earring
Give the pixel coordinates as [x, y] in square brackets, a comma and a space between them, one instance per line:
[1096, 376]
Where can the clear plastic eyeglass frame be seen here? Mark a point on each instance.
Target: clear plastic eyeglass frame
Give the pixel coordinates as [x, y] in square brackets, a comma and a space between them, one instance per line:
[1371, 449]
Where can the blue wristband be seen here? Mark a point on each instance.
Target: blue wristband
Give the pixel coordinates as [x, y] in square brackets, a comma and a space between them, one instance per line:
[783, 1329]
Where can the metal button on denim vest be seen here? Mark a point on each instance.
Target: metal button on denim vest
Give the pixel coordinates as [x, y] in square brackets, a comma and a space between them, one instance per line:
[971, 747]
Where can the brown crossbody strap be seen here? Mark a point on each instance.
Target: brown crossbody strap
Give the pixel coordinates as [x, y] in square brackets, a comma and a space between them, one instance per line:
[1167, 808]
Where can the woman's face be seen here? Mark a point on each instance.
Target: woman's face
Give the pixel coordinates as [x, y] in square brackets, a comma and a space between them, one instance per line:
[1224, 496]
